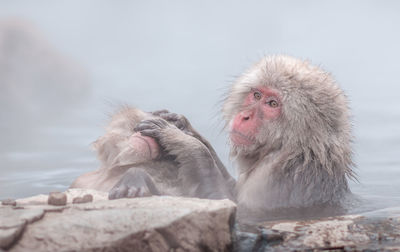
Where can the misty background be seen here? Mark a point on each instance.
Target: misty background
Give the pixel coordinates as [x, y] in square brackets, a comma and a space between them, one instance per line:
[66, 65]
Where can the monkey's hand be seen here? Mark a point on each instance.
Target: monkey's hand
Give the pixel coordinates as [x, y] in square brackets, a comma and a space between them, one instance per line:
[183, 124]
[201, 176]
[180, 121]
[171, 139]
[135, 183]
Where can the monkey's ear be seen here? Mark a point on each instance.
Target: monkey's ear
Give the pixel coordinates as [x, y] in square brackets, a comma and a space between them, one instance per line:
[107, 148]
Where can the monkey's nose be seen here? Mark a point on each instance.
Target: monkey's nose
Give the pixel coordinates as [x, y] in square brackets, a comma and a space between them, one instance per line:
[246, 115]
[245, 122]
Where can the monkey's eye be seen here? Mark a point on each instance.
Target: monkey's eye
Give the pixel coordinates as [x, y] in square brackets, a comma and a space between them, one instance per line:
[257, 95]
[273, 103]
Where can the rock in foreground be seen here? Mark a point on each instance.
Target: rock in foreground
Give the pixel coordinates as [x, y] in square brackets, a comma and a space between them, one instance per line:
[370, 231]
[142, 224]
[181, 224]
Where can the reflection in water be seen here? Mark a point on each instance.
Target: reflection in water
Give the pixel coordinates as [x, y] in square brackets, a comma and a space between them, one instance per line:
[30, 173]
[180, 56]
[351, 204]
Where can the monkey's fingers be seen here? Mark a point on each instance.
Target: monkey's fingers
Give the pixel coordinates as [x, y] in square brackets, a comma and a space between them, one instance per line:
[179, 121]
[143, 126]
[159, 112]
[159, 122]
[136, 192]
[154, 133]
[118, 192]
[133, 192]
[151, 124]
[170, 116]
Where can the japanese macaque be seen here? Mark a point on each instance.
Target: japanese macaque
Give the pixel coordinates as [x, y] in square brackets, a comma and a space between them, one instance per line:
[158, 153]
[290, 134]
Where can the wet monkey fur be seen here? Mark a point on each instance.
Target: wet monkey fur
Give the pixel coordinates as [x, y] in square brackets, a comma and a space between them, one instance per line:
[290, 135]
[289, 132]
[158, 153]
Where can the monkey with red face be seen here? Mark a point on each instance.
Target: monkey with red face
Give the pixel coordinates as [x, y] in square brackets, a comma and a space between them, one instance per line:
[290, 134]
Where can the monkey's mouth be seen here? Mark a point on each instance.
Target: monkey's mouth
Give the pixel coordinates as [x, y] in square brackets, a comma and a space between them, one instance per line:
[240, 139]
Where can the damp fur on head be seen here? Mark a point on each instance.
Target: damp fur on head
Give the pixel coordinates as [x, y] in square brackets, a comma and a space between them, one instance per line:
[313, 134]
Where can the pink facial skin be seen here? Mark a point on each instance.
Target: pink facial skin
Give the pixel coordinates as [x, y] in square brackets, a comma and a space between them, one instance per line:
[260, 106]
[145, 146]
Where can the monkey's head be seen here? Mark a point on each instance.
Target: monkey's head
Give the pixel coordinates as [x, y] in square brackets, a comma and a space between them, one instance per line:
[287, 105]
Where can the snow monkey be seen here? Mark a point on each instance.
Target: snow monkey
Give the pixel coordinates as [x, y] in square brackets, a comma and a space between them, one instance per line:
[290, 135]
[158, 153]
[289, 131]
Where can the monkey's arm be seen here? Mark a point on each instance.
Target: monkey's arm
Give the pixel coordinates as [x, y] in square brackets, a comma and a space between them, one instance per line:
[198, 171]
[182, 123]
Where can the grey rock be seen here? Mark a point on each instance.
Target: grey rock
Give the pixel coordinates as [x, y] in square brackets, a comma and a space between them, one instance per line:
[41, 199]
[85, 199]
[57, 199]
[141, 224]
[9, 236]
[14, 217]
[251, 240]
[181, 224]
[245, 241]
[371, 231]
[9, 202]
[13, 222]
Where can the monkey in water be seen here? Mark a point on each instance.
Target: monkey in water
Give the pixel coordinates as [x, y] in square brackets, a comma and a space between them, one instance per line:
[158, 153]
[289, 131]
[290, 134]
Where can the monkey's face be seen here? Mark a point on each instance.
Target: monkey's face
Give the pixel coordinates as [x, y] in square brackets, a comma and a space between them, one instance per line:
[261, 107]
[144, 146]
[283, 102]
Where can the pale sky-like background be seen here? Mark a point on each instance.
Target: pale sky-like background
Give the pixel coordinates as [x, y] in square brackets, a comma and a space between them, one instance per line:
[64, 65]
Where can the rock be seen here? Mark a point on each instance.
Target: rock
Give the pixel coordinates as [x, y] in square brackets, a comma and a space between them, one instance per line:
[13, 217]
[142, 224]
[378, 230]
[245, 241]
[85, 199]
[13, 222]
[162, 223]
[9, 236]
[41, 199]
[34, 200]
[9, 202]
[57, 199]
[255, 241]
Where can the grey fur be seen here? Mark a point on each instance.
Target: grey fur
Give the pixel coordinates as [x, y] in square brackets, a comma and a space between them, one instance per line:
[188, 165]
[303, 158]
